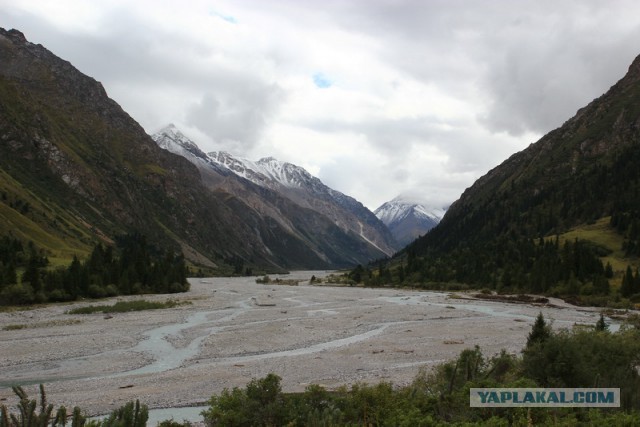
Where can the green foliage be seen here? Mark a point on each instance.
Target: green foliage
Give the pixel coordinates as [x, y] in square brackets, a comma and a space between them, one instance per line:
[582, 358]
[173, 423]
[630, 283]
[506, 264]
[601, 325]
[264, 280]
[262, 403]
[139, 268]
[130, 415]
[11, 255]
[124, 306]
[29, 416]
[588, 359]
[17, 294]
[540, 331]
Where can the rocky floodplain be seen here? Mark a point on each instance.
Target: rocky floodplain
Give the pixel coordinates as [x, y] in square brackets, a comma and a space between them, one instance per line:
[227, 331]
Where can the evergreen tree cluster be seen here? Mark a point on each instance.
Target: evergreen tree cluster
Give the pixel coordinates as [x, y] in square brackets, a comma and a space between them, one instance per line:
[489, 238]
[506, 264]
[134, 268]
[11, 255]
[628, 225]
[630, 283]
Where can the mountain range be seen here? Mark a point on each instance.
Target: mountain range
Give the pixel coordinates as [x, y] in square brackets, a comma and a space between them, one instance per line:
[76, 169]
[287, 194]
[407, 219]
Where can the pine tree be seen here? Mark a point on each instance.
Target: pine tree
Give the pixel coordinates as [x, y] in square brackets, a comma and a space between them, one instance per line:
[540, 331]
[627, 288]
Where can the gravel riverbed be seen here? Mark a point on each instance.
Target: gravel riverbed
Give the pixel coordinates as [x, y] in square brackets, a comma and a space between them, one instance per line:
[230, 330]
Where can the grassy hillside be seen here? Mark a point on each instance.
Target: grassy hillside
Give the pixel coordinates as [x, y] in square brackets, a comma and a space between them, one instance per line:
[601, 233]
[29, 218]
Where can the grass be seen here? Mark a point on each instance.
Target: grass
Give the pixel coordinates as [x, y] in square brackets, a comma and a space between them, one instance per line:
[126, 306]
[46, 224]
[602, 234]
[16, 327]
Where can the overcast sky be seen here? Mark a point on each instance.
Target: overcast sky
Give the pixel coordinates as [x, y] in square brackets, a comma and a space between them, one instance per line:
[375, 97]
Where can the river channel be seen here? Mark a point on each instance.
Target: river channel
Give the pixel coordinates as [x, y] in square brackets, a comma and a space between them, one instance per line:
[227, 331]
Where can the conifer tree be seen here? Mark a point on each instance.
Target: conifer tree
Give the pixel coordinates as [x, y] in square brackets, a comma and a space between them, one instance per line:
[540, 331]
[627, 288]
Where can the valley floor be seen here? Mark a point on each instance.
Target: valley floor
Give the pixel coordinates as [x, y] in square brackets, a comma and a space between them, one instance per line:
[233, 330]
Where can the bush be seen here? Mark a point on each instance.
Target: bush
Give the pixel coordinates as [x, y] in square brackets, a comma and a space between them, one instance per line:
[110, 290]
[58, 295]
[176, 287]
[262, 403]
[17, 294]
[124, 306]
[96, 291]
[129, 415]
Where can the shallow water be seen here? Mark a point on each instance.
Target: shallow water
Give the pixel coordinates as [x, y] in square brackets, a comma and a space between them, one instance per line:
[166, 356]
[235, 330]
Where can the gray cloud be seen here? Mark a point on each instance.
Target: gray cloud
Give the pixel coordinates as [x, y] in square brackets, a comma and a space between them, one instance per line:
[535, 62]
[235, 116]
[515, 69]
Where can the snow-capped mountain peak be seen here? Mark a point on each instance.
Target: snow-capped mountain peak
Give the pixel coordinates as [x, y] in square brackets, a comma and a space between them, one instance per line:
[407, 219]
[171, 139]
[285, 181]
[265, 172]
[400, 207]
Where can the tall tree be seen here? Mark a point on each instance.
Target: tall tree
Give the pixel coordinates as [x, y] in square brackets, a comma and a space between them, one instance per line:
[540, 331]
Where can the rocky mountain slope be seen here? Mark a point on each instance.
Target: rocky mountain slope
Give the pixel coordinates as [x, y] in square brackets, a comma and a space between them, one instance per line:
[407, 220]
[75, 168]
[290, 196]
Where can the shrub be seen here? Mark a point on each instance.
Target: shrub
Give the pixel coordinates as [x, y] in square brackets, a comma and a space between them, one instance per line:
[58, 295]
[111, 290]
[17, 294]
[96, 291]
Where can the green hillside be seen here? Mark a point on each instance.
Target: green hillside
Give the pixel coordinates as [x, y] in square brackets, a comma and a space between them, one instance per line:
[560, 217]
[601, 233]
[29, 218]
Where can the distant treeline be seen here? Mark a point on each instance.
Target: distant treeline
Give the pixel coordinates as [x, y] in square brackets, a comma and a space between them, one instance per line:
[506, 264]
[502, 234]
[132, 267]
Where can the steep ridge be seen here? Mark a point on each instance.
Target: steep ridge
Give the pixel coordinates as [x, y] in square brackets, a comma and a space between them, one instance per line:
[91, 171]
[334, 226]
[584, 171]
[577, 173]
[75, 168]
[407, 220]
